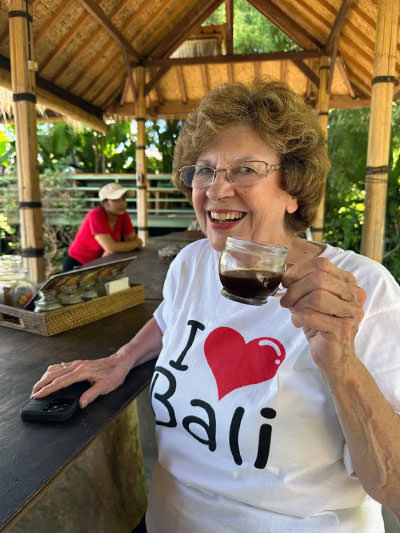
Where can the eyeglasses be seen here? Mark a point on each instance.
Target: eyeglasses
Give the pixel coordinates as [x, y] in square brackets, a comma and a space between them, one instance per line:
[240, 174]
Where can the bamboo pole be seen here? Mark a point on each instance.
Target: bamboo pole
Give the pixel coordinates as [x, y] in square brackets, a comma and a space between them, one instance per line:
[24, 97]
[323, 110]
[141, 167]
[379, 129]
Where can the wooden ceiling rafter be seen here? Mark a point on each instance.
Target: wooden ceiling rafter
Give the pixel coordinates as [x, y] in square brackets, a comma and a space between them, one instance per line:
[84, 47]
[114, 98]
[187, 31]
[129, 74]
[116, 78]
[204, 78]
[101, 18]
[57, 99]
[237, 58]
[337, 26]
[108, 46]
[170, 42]
[160, 73]
[229, 69]
[51, 21]
[342, 69]
[4, 35]
[307, 71]
[283, 67]
[64, 42]
[331, 46]
[286, 24]
[229, 26]
[181, 84]
[161, 26]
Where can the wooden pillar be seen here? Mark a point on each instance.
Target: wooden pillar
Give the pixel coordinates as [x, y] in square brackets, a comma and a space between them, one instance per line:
[323, 110]
[141, 166]
[379, 129]
[24, 97]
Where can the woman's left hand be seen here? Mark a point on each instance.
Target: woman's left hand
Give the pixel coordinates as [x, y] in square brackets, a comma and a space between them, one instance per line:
[328, 304]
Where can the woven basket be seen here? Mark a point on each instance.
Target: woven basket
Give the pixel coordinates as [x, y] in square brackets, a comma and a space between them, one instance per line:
[52, 322]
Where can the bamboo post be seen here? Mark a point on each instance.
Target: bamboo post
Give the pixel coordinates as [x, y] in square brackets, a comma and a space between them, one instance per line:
[379, 129]
[24, 97]
[323, 110]
[141, 167]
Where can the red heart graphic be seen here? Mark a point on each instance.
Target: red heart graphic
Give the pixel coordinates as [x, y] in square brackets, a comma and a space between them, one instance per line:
[236, 364]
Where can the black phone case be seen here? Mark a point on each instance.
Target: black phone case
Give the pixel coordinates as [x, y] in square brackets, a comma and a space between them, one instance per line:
[56, 407]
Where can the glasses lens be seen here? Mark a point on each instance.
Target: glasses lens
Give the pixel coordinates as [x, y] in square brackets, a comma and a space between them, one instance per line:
[246, 173]
[186, 174]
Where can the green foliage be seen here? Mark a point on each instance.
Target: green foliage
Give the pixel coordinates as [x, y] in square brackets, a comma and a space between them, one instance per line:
[61, 146]
[252, 32]
[162, 135]
[345, 191]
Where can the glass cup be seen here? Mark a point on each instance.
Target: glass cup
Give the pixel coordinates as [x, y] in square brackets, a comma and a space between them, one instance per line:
[251, 271]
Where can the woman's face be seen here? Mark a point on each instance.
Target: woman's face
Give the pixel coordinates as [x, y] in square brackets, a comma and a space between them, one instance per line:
[115, 207]
[254, 213]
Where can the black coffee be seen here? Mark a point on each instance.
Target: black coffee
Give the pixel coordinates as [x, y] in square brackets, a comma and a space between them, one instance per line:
[257, 284]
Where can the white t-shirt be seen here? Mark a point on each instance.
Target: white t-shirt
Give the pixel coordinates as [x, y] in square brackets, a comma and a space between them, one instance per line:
[248, 436]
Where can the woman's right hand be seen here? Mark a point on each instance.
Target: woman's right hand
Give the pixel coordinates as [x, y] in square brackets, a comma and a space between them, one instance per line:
[105, 375]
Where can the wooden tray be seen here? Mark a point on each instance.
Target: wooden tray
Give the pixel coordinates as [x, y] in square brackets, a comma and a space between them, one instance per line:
[72, 316]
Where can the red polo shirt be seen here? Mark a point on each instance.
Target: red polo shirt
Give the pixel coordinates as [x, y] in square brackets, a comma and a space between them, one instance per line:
[84, 247]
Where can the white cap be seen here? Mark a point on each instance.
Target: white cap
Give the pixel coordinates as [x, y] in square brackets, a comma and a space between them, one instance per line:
[112, 191]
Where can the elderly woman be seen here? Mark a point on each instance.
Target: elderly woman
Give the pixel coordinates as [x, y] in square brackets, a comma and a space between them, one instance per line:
[277, 418]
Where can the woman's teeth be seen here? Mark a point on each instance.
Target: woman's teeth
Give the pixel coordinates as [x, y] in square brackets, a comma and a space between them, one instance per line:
[221, 217]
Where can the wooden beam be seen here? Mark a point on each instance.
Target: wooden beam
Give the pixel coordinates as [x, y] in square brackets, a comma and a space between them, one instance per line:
[141, 166]
[50, 21]
[237, 58]
[98, 14]
[373, 232]
[183, 28]
[105, 90]
[5, 33]
[24, 96]
[337, 26]
[204, 77]
[229, 68]
[129, 73]
[59, 100]
[344, 102]
[286, 24]
[331, 46]
[283, 71]
[323, 110]
[342, 69]
[307, 71]
[155, 79]
[229, 26]
[106, 49]
[65, 42]
[181, 84]
[83, 48]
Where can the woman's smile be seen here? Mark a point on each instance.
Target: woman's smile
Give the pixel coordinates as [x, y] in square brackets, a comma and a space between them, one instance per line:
[255, 212]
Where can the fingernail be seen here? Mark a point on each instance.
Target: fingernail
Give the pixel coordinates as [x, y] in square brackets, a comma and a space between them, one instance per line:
[83, 404]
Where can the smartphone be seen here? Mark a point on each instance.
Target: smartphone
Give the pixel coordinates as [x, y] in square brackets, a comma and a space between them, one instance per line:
[56, 407]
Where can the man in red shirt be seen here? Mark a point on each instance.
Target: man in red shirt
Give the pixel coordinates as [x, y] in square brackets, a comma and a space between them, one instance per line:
[102, 229]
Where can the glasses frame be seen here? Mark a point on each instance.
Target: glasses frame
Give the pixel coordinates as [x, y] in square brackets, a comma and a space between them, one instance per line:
[270, 167]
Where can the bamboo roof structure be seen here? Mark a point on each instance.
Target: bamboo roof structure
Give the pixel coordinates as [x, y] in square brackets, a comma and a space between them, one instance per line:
[86, 53]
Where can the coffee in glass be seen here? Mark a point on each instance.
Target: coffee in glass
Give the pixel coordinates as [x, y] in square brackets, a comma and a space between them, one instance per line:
[251, 271]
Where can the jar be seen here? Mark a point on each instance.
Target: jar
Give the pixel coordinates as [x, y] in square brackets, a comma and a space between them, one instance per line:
[15, 289]
[47, 301]
[70, 295]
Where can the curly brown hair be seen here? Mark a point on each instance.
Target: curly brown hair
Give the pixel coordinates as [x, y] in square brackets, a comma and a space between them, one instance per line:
[282, 120]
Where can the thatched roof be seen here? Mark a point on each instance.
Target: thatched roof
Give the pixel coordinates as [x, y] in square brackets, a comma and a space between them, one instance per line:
[87, 51]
